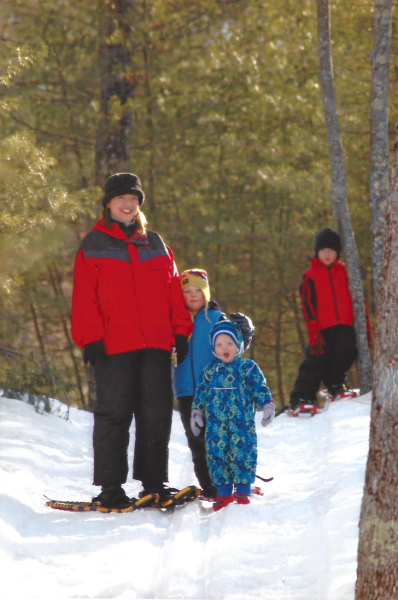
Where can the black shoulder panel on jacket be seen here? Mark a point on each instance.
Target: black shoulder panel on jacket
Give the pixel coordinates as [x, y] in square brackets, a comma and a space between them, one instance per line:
[98, 244]
[154, 246]
[156, 241]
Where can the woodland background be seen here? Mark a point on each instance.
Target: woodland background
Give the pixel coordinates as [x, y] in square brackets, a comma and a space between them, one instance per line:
[216, 106]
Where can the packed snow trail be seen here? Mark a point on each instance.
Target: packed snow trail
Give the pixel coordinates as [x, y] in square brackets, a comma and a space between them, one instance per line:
[297, 542]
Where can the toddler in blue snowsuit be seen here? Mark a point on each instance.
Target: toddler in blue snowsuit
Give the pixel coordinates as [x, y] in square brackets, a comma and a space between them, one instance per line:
[230, 390]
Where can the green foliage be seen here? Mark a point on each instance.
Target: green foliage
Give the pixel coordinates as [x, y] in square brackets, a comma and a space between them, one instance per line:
[216, 106]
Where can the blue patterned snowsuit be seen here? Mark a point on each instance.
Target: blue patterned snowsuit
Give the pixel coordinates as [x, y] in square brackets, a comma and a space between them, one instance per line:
[229, 394]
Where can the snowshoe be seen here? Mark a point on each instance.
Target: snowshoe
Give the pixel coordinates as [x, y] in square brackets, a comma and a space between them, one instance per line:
[340, 393]
[112, 497]
[168, 498]
[95, 506]
[303, 410]
[187, 494]
[308, 409]
[257, 491]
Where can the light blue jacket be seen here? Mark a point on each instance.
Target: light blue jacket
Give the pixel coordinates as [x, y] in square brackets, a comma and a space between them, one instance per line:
[228, 394]
[187, 375]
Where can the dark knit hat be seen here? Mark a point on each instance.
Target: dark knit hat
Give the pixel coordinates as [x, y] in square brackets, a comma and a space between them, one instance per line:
[327, 238]
[120, 184]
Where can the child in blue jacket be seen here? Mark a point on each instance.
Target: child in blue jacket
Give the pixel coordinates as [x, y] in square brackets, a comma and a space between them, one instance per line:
[230, 390]
[186, 376]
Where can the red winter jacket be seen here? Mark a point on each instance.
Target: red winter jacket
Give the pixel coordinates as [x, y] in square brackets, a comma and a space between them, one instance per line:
[325, 296]
[127, 292]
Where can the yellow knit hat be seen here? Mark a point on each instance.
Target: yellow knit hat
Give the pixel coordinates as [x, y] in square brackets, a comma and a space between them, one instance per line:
[197, 278]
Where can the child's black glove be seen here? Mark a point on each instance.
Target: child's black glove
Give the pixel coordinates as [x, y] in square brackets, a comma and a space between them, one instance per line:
[315, 338]
[181, 347]
[246, 326]
[94, 352]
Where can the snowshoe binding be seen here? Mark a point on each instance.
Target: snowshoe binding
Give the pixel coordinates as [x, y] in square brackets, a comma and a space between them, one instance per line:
[338, 393]
[166, 499]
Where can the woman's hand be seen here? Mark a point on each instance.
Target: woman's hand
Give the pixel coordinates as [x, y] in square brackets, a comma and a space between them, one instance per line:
[94, 352]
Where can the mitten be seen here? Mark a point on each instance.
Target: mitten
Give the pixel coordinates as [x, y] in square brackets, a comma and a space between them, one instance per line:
[246, 326]
[315, 338]
[94, 352]
[268, 414]
[197, 421]
[181, 347]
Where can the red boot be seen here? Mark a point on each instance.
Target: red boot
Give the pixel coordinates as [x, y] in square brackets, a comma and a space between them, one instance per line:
[222, 502]
[242, 499]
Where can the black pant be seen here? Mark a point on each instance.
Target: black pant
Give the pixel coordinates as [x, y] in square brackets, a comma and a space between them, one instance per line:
[131, 384]
[195, 443]
[330, 367]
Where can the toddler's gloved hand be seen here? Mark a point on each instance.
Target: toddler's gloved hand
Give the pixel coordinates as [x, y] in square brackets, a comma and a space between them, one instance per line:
[268, 414]
[94, 352]
[197, 421]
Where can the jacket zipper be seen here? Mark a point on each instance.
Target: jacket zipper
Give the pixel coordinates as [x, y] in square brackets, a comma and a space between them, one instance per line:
[334, 296]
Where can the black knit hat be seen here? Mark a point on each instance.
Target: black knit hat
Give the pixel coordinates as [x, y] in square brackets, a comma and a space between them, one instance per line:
[120, 184]
[327, 238]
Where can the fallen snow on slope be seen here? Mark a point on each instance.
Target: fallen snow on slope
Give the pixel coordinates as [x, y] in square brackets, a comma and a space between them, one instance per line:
[297, 542]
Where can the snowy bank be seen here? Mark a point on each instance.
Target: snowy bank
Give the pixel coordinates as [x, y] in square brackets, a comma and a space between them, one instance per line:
[297, 542]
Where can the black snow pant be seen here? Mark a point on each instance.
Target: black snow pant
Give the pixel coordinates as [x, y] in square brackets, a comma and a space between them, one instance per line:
[330, 367]
[195, 443]
[138, 384]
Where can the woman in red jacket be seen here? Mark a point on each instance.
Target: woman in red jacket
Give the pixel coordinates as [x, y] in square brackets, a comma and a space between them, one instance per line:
[127, 312]
[329, 317]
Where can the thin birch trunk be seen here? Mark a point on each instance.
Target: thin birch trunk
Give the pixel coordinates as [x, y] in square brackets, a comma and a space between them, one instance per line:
[339, 194]
[378, 188]
[378, 527]
[37, 330]
[298, 319]
[252, 314]
[278, 351]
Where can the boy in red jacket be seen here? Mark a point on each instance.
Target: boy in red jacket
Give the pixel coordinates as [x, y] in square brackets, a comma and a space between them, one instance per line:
[328, 313]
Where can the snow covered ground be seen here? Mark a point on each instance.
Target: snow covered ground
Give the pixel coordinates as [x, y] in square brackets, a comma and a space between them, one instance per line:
[297, 542]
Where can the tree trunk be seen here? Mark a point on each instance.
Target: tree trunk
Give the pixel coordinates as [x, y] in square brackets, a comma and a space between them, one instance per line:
[278, 349]
[37, 330]
[147, 55]
[339, 194]
[378, 526]
[115, 81]
[378, 189]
